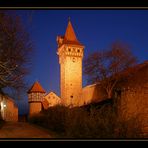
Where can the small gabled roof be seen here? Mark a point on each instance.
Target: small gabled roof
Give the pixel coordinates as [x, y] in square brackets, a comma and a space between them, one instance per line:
[45, 104]
[52, 94]
[36, 87]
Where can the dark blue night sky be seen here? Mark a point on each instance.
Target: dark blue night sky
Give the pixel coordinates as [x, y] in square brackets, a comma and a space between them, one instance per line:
[96, 29]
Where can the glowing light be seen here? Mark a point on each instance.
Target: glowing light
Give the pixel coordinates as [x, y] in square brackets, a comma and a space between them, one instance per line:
[1, 105]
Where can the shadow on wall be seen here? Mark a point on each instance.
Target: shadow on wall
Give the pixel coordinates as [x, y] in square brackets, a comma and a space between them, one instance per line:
[99, 94]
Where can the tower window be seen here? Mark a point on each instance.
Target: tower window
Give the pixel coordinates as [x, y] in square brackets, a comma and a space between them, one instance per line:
[73, 59]
[69, 49]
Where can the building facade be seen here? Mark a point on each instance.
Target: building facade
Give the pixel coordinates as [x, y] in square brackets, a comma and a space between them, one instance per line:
[134, 96]
[8, 108]
[50, 100]
[35, 97]
[70, 52]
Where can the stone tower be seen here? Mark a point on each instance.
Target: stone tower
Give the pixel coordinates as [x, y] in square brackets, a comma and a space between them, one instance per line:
[35, 98]
[70, 52]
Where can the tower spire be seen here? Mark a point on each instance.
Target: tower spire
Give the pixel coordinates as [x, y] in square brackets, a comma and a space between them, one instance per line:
[36, 87]
[69, 19]
[70, 54]
[70, 34]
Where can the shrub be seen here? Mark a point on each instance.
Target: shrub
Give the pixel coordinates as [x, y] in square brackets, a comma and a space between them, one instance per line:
[1, 122]
[53, 118]
[38, 119]
[78, 122]
[93, 124]
[56, 118]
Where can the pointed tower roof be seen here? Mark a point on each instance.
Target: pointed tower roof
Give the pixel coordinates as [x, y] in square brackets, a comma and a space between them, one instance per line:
[70, 37]
[36, 87]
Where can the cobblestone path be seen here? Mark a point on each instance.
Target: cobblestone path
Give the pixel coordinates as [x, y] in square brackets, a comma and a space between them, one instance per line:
[23, 130]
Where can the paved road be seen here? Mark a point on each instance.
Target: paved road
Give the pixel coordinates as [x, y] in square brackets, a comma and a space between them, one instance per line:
[23, 130]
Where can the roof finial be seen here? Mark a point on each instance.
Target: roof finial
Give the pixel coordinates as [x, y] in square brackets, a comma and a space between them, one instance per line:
[36, 79]
[69, 19]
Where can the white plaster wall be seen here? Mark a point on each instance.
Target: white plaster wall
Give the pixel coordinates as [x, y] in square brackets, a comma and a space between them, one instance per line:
[52, 99]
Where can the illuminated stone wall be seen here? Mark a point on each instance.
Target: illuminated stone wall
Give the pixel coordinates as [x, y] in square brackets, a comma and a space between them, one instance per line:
[133, 101]
[34, 108]
[9, 110]
[92, 93]
[70, 59]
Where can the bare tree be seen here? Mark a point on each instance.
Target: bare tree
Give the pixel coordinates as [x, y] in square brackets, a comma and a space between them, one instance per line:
[15, 51]
[106, 67]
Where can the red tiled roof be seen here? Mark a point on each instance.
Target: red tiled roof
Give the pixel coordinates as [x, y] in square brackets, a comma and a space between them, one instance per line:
[36, 87]
[45, 104]
[70, 37]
